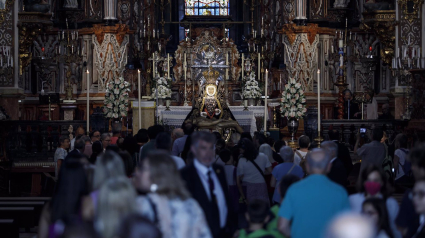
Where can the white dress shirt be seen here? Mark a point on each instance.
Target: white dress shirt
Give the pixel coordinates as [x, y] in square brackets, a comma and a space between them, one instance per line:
[218, 190]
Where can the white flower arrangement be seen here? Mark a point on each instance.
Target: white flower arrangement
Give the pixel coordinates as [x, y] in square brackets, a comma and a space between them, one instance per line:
[163, 89]
[116, 98]
[251, 88]
[293, 100]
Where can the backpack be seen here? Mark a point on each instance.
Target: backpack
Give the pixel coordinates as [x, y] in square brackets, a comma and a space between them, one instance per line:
[387, 167]
[407, 166]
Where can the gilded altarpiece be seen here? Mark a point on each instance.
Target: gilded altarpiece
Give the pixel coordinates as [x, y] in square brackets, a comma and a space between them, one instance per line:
[206, 40]
[6, 39]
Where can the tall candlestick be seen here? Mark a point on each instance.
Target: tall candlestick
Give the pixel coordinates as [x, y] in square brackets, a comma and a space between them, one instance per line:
[243, 65]
[139, 99]
[318, 101]
[153, 65]
[265, 102]
[227, 64]
[168, 65]
[88, 102]
[259, 67]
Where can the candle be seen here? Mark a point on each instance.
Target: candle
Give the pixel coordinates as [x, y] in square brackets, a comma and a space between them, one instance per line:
[153, 33]
[332, 49]
[243, 65]
[88, 103]
[340, 43]
[185, 69]
[227, 64]
[168, 65]
[139, 98]
[259, 67]
[153, 65]
[11, 61]
[318, 101]
[265, 102]
[280, 83]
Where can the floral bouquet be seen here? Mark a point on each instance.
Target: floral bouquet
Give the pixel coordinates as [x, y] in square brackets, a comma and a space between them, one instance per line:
[293, 100]
[251, 88]
[116, 98]
[163, 89]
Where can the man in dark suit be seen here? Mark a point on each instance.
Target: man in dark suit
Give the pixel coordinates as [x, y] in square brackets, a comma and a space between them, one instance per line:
[337, 173]
[343, 152]
[78, 150]
[207, 183]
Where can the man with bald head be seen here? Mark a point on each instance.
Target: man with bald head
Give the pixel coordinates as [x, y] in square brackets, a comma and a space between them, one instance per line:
[315, 201]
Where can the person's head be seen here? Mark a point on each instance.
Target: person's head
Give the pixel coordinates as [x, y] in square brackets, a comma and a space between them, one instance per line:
[105, 138]
[226, 156]
[267, 150]
[142, 136]
[377, 134]
[137, 226]
[331, 147]
[86, 140]
[153, 131]
[97, 147]
[203, 147]
[350, 225]
[401, 141]
[177, 133]
[158, 174]
[247, 149]
[278, 144]
[246, 135]
[304, 142]
[376, 210]
[130, 145]
[259, 139]
[417, 159]
[369, 94]
[116, 129]
[108, 165]
[220, 144]
[79, 132]
[80, 145]
[257, 212]
[285, 183]
[318, 161]
[116, 200]
[95, 136]
[163, 141]
[386, 108]
[71, 187]
[287, 154]
[333, 134]
[373, 181]
[188, 128]
[347, 95]
[64, 142]
[418, 196]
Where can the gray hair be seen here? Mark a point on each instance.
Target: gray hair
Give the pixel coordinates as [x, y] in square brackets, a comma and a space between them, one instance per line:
[85, 139]
[267, 150]
[117, 199]
[332, 148]
[108, 165]
[204, 136]
[178, 132]
[318, 159]
[287, 154]
[104, 136]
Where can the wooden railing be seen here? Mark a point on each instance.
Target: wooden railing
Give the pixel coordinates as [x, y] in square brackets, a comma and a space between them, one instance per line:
[33, 141]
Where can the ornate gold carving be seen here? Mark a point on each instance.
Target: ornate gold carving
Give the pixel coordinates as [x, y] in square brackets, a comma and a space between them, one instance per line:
[119, 30]
[292, 30]
[383, 24]
[27, 33]
[5, 9]
[414, 5]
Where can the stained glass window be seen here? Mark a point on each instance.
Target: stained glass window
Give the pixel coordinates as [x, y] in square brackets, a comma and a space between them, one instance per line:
[207, 7]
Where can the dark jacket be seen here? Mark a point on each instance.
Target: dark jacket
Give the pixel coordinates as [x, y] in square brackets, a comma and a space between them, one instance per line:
[345, 157]
[338, 173]
[196, 188]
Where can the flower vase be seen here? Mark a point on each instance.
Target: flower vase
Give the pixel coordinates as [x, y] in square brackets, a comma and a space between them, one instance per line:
[161, 102]
[251, 101]
[167, 104]
[293, 124]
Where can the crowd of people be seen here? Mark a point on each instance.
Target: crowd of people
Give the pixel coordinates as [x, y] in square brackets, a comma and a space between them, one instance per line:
[194, 184]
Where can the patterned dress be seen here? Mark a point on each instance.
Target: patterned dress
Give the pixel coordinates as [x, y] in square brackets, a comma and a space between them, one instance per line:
[175, 218]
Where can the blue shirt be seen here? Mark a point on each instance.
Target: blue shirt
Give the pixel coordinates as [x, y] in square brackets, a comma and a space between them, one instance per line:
[178, 145]
[311, 204]
[280, 171]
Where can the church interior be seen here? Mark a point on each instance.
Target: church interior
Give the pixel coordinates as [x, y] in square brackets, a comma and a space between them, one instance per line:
[282, 68]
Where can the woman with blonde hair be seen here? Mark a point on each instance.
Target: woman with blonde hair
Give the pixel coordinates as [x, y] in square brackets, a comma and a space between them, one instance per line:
[168, 203]
[116, 201]
[108, 165]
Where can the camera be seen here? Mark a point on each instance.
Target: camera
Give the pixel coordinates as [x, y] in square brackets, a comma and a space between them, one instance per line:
[362, 132]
